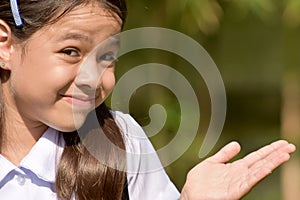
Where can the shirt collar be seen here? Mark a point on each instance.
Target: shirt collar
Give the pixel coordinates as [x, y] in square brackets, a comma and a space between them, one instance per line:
[5, 167]
[44, 156]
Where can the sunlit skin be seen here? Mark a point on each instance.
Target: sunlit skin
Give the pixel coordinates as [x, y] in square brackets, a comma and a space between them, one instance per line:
[50, 80]
[217, 179]
[47, 85]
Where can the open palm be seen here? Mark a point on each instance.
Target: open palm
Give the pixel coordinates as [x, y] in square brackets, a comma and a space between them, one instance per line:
[216, 179]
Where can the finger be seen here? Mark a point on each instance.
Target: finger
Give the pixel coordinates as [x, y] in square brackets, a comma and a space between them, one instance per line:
[265, 151]
[264, 167]
[226, 153]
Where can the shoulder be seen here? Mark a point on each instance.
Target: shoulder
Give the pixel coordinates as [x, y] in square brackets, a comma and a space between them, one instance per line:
[128, 125]
[141, 155]
[145, 173]
[123, 120]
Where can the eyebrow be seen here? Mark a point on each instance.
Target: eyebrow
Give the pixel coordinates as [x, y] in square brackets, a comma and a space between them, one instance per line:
[75, 36]
[114, 40]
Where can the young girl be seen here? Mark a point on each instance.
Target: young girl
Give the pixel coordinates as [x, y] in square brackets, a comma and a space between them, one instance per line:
[44, 91]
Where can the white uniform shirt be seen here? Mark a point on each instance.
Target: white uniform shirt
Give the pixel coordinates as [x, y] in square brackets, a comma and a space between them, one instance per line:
[34, 178]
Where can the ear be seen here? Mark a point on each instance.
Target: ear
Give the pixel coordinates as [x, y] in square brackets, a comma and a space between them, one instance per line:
[5, 45]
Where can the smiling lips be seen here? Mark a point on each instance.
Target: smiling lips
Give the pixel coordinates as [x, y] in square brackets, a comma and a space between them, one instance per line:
[80, 100]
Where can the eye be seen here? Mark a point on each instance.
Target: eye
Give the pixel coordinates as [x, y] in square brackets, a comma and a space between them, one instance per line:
[107, 57]
[71, 52]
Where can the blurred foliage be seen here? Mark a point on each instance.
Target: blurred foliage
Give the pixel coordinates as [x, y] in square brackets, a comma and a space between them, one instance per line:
[255, 44]
[207, 15]
[291, 15]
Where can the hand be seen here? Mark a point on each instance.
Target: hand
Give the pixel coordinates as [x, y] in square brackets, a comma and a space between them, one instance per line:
[216, 179]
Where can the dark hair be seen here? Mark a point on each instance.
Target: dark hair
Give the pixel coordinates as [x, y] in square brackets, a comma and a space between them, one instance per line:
[36, 14]
[79, 173]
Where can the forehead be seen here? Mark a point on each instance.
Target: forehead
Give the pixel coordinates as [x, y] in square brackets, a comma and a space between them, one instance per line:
[92, 23]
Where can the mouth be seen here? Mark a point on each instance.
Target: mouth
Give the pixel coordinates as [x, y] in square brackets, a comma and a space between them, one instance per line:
[80, 100]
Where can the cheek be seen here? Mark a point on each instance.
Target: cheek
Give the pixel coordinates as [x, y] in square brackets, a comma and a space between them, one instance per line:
[108, 81]
[42, 81]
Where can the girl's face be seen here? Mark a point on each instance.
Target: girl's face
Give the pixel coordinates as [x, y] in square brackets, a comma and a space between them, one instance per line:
[52, 81]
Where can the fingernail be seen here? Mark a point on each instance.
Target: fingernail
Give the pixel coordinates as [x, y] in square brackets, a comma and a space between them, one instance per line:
[292, 147]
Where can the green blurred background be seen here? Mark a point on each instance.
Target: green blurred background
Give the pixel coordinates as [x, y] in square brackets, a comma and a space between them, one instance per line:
[256, 46]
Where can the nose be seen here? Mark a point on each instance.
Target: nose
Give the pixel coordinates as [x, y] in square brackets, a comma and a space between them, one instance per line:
[89, 75]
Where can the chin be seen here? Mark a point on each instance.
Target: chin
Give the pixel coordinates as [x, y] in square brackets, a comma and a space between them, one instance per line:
[64, 128]
[69, 125]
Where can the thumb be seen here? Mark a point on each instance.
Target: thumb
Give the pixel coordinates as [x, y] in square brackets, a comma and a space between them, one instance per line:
[224, 155]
